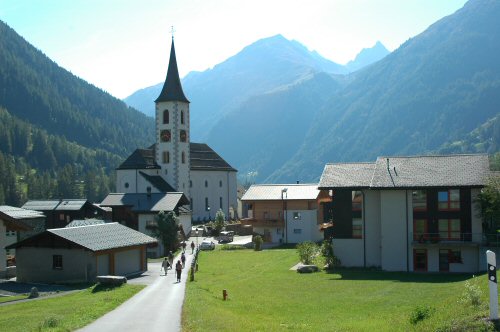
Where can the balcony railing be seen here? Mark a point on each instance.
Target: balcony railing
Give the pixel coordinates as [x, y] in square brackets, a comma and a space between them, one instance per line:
[448, 238]
[262, 222]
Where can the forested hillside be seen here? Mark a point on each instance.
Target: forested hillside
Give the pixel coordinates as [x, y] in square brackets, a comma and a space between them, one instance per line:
[59, 135]
[37, 90]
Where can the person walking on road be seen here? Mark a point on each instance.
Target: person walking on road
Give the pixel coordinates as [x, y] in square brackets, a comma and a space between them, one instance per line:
[183, 246]
[171, 259]
[192, 247]
[178, 269]
[164, 265]
[183, 259]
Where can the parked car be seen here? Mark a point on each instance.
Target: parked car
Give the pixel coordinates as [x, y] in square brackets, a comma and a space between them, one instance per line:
[226, 236]
[207, 245]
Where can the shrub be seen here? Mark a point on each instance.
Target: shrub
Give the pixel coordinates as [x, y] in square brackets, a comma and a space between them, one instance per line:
[232, 247]
[471, 294]
[419, 314]
[327, 252]
[307, 252]
[257, 240]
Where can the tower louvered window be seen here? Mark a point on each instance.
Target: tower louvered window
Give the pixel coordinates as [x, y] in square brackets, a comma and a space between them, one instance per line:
[166, 117]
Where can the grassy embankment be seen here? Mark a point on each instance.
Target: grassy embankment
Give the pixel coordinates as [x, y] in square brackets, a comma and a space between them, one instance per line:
[264, 295]
[65, 313]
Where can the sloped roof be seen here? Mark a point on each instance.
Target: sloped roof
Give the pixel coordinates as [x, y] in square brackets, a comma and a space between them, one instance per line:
[20, 213]
[273, 192]
[13, 217]
[140, 159]
[93, 237]
[85, 222]
[347, 175]
[471, 170]
[158, 182]
[431, 171]
[202, 157]
[172, 88]
[56, 204]
[155, 202]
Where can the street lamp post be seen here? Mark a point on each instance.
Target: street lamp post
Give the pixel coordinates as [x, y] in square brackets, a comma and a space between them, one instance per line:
[196, 233]
[209, 217]
[283, 205]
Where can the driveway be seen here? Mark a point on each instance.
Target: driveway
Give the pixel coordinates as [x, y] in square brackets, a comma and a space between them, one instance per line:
[157, 307]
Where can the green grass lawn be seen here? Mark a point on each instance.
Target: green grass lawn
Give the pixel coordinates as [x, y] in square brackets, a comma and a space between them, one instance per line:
[264, 295]
[12, 298]
[64, 313]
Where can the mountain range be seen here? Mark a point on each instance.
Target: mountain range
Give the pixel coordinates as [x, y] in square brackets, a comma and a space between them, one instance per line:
[280, 111]
[260, 68]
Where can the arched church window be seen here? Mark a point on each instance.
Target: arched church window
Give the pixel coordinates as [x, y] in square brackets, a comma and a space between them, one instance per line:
[206, 184]
[182, 117]
[220, 183]
[166, 117]
[183, 136]
[183, 157]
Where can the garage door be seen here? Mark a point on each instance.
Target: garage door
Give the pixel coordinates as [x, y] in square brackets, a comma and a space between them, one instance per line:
[127, 262]
[102, 265]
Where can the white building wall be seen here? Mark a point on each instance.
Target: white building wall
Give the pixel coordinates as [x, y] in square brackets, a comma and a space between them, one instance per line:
[213, 191]
[349, 251]
[372, 231]
[476, 220]
[394, 233]
[127, 262]
[126, 181]
[3, 256]
[35, 265]
[303, 229]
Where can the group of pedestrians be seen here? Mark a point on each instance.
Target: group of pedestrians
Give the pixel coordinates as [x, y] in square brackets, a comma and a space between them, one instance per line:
[168, 262]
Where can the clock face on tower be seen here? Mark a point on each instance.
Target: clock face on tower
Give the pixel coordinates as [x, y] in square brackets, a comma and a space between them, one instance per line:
[165, 135]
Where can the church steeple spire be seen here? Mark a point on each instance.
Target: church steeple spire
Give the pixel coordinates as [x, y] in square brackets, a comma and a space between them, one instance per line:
[172, 88]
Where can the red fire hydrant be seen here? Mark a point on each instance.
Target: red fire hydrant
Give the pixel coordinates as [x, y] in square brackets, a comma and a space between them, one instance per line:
[224, 294]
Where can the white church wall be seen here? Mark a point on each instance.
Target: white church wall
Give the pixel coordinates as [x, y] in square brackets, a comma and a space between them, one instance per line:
[221, 186]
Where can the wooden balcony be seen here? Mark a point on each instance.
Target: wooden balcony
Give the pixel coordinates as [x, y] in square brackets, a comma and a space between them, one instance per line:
[262, 222]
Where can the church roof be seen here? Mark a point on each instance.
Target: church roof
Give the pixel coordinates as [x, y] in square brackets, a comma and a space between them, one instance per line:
[204, 158]
[172, 88]
[158, 182]
[140, 159]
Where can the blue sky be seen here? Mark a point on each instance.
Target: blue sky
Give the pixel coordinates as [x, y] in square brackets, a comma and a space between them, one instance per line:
[122, 45]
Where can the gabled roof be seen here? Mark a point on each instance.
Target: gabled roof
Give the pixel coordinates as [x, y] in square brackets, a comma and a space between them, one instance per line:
[13, 217]
[172, 88]
[20, 213]
[274, 192]
[158, 182]
[202, 157]
[93, 237]
[140, 159]
[85, 222]
[146, 203]
[431, 171]
[471, 170]
[347, 175]
[56, 204]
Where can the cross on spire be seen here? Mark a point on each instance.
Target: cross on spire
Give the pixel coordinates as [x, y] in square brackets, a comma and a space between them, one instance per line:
[172, 31]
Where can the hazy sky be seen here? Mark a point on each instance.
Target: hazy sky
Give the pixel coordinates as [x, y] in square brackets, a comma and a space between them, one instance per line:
[122, 45]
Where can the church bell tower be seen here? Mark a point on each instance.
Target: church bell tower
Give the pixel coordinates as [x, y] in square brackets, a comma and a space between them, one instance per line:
[172, 130]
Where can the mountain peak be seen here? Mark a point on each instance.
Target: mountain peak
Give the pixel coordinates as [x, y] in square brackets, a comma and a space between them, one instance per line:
[367, 56]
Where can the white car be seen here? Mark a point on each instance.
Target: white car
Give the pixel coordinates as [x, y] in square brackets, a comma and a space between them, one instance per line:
[207, 245]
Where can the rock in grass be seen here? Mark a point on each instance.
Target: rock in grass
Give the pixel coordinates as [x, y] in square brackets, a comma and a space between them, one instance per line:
[307, 269]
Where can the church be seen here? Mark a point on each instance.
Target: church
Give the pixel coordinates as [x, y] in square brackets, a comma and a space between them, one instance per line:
[173, 174]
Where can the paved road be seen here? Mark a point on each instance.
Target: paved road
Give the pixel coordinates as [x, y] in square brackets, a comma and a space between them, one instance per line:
[157, 307]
